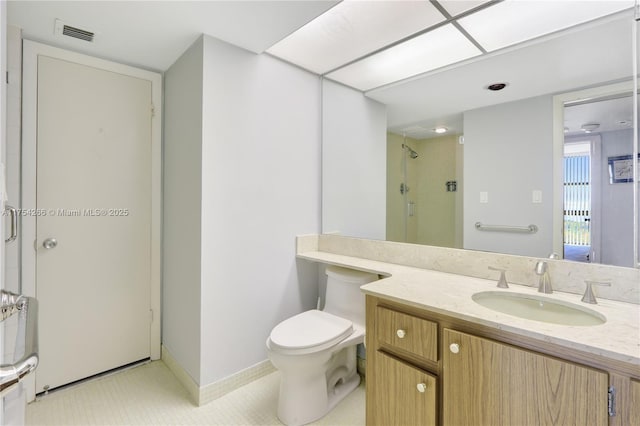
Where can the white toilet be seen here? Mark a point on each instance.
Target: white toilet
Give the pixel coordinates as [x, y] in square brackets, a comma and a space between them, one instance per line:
[315, 351]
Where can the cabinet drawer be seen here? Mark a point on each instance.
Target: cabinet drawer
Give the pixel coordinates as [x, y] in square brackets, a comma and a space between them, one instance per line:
[409, 333]
[403, 395]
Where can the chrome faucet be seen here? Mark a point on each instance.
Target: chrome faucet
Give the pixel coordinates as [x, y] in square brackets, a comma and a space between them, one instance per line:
[502, 282]
[542, 270]
[589, 297]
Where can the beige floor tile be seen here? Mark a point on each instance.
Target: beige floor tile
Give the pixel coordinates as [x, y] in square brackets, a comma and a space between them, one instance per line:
[151, 395]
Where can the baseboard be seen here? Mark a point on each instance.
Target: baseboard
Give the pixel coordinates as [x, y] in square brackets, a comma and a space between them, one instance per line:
[215, 390]
[201, 395]
[183, 377]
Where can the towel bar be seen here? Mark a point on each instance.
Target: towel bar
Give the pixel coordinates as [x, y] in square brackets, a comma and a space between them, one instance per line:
[530, 229]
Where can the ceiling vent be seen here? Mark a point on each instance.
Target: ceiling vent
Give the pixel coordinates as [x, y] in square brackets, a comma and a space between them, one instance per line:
[62, 29]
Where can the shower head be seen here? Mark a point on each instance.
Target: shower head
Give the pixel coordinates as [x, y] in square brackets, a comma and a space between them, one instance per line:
[412, 153]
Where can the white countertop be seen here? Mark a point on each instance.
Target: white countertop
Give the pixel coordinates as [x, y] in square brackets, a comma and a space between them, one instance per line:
[618, 338]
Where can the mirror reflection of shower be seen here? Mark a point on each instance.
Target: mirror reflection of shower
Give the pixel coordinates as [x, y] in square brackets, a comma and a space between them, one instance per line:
[404, 188]
[409, 205]
[412, 153]
[424, 189]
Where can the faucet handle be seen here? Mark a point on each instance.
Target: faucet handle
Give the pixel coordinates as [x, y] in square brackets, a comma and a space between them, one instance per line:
[502, 282]
[589, 297]
[541, 267]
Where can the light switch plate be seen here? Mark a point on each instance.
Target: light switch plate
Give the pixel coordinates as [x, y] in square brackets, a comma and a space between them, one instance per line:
[484, 197]
[537, 196]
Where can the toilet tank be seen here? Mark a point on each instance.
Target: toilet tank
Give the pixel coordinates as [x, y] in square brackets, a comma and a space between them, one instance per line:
[343, 296]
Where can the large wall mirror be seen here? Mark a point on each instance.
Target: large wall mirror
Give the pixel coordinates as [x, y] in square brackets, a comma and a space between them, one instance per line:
[537, 166]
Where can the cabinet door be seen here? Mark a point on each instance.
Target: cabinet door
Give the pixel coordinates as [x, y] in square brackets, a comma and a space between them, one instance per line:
[489, 383]
[634, 414]
[404, 395]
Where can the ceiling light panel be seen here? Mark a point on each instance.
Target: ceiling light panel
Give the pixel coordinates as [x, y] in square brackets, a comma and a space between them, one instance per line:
[434, 49]
[456, 7]
[512, 21]
[353, 29]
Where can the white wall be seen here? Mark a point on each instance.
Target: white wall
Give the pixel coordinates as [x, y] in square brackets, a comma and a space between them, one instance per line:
[354, 146]
[617, 203]
[3, 126]
[12, 154]
[508, 153]
[181, 287]
[260, 188]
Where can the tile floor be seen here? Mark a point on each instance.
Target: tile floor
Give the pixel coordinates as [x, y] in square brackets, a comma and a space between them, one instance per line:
[150, 394]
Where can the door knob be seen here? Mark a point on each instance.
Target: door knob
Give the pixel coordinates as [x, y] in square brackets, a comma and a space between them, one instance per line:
[422, 387]
[454, 348]
[401, 333]
[50, 243]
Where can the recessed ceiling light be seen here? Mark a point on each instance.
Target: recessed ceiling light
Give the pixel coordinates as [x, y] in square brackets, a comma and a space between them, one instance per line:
[440, 130]
[624, 122]
[590, 127]
[496, 86]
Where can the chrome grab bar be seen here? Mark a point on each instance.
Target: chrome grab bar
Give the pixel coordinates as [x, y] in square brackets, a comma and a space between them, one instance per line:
[530, 229]
[27, 310]
[14, 223]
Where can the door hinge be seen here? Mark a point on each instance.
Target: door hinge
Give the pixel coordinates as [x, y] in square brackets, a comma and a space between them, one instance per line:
[151, 315]
[7, 76]
[611, 401]
[153, 110]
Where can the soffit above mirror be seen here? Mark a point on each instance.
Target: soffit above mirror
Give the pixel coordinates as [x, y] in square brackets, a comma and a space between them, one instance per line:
[368, 44]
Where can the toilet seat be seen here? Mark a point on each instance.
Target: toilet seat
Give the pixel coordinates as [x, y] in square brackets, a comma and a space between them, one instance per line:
[310, 331]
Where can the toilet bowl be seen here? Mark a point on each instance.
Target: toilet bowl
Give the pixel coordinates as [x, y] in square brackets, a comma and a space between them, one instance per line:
[315, 351]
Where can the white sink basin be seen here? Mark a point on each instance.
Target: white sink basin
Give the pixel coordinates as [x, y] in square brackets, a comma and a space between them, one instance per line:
[538, 308]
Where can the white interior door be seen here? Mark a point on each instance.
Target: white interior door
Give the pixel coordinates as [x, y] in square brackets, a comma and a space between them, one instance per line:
[94, 200]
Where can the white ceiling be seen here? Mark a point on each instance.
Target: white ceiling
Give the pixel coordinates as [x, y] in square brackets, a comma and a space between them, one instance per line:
[610, 114]
[367, 44]
[153, 34]
[352, 30]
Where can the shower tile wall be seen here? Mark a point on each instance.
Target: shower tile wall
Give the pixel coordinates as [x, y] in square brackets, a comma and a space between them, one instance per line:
[437, 214]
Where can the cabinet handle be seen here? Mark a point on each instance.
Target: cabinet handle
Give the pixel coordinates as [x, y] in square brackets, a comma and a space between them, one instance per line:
[454, 347]
[401, 333]
[422, 387]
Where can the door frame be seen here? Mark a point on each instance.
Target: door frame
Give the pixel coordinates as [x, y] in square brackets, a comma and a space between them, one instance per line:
[31, 51]
[595, 149]
[559, 101]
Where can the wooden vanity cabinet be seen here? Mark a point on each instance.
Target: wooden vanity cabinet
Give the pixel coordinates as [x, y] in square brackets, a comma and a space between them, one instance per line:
[407, 394]
[490, 383]
[475, 375]
[634, 404]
